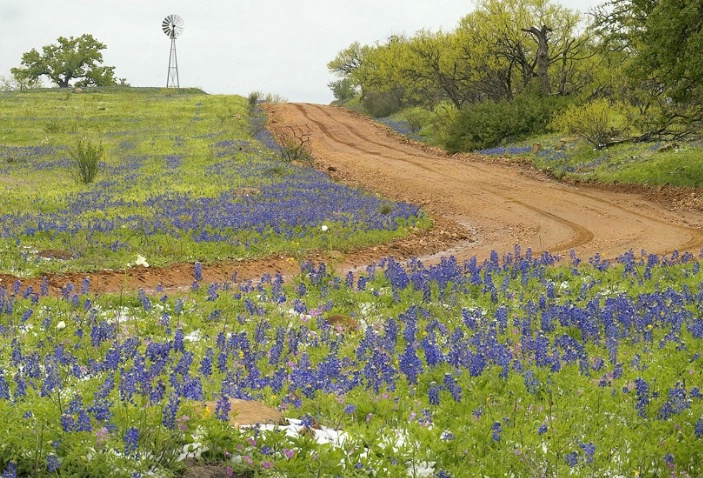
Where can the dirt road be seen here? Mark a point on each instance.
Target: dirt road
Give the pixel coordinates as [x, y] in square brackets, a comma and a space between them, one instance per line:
[477, 205]
[496, 204]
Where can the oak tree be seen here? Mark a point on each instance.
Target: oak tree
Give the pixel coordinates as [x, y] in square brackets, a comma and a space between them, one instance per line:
[67, 60]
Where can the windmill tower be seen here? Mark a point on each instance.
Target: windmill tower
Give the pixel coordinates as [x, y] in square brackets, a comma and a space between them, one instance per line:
[172, 27]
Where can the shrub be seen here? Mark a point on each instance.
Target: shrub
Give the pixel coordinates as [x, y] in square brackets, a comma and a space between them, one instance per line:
[253, 100]
[343, 90]
[488, 124]
[380, 104]
[598, 121]
[86, 160]
[416, 118]
[295, 145]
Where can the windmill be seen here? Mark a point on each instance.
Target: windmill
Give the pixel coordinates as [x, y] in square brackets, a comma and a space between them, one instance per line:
[172, 27]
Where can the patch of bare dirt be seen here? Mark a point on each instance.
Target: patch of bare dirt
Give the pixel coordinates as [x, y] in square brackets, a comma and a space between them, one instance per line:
[477, 204]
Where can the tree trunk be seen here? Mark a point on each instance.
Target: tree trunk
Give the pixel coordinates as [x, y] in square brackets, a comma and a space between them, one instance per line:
[542, 36]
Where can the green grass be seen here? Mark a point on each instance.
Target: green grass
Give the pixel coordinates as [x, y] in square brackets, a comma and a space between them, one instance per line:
[655, 164]
[163, 150]
[659, 163]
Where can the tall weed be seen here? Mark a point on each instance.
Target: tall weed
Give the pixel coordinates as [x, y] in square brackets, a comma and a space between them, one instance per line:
[86, 160]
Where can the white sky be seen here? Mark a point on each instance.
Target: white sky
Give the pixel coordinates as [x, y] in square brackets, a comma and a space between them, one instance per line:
[228, 46]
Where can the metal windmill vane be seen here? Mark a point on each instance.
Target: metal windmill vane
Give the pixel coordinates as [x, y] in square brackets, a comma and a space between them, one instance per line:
[172, 27]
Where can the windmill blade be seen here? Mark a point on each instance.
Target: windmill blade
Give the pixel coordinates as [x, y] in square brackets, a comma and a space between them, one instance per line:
[177, 24]
[172, 26]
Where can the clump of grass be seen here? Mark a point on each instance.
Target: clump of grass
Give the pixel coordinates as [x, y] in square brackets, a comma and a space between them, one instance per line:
[86, 158]
[53, 126]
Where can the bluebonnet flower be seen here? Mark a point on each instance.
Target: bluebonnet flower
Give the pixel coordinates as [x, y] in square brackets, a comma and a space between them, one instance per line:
[698, 429]
[27, 314]
[178, 307]
[21, 388]
[4, 387]
[350, 409]
[198, 271]
[676, 402]
[589, 449]
[144, 300]
[433, 395]
[306, 420]
[222, 409]
[170, 410]
[532, 383]
[10, 470]
[642, 388]
[453, 387]
[131, 442]
[542, 429]
[206, 363]
[52, 463]
[496, 430]
[101, 410]
[192, 388]
[178, 344]
[410, 364]
[572, 459]
[68, 424]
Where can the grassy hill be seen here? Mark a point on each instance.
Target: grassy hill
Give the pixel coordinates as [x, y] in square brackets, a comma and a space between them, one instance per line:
[181, 180]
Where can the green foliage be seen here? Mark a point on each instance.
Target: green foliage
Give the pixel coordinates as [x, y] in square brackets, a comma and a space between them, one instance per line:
[86, 160]
[69, 59]
[487, 124]
[657, 44]
[380, 104]
[343, 90]
[497, 52]
[416, 118]
[598, 121]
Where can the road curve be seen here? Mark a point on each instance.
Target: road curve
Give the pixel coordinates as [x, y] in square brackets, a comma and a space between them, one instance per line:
[499, 205]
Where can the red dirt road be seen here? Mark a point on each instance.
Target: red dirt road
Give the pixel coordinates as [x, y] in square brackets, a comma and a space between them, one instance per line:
[477, 205]
[497, 204]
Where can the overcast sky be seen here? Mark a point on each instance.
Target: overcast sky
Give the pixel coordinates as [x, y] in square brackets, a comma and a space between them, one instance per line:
[228, 46]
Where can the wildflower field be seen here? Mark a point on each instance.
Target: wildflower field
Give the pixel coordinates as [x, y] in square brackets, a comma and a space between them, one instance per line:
[517, 365]
[182, 180]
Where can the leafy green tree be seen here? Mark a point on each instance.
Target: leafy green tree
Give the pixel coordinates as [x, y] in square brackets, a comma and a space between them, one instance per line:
[12, 84]
[67, 60]
[343, 90]
[527, 40]
[660, 42]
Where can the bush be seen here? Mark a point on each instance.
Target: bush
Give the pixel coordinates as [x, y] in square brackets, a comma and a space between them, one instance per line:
[86, 160]
[488, 124]
[380, 104]
[295, 145]
[598, 121]
[343, 90]
[417, 118]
